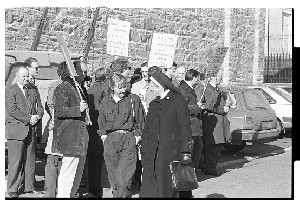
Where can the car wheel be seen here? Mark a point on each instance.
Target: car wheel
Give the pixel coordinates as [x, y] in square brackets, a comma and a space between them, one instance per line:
[279, 125]
[234, 148]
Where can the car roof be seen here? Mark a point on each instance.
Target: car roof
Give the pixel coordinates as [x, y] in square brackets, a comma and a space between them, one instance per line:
[278, 84]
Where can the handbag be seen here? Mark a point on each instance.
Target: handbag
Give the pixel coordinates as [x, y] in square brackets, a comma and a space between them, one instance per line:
[183, 176]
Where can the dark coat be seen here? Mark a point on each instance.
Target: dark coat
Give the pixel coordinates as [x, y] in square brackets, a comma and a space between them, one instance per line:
[18, 110]
[195, 111]
[166, 135]
[94, 99]
[215, 121]
[38, 110]
[70, 135]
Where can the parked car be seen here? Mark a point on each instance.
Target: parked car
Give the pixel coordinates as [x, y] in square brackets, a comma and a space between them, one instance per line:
[281, 102]
[251, 117]
[285, 86]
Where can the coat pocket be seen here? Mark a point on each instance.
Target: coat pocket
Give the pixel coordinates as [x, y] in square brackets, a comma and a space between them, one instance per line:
[109, 116]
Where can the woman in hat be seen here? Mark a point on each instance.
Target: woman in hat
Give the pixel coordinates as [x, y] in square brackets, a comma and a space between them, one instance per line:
[166, 137]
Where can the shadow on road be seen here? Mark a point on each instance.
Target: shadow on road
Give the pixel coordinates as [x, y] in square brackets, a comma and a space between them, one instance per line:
[216, 196]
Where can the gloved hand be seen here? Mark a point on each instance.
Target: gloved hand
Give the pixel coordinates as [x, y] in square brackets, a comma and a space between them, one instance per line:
[186, 159]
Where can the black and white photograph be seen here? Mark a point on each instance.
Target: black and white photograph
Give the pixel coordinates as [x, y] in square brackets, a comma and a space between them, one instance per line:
[114, 101]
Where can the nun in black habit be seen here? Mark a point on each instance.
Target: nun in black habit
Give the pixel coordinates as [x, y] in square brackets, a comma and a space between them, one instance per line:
[166, 137]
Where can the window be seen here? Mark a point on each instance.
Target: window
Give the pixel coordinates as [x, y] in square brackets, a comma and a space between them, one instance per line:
[283, 93]
[267, 96]
[288, 89]
[253, 100]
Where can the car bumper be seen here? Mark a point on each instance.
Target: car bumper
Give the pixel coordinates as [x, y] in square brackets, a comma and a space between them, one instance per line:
[287, 125]
[252, 135]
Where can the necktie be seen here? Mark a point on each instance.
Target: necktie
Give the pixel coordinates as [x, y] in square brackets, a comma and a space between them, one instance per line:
[25, 88]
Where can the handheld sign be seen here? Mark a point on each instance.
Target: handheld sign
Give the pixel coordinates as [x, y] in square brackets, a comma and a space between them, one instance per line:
[117, 37]
[162, 50]
[63, 45]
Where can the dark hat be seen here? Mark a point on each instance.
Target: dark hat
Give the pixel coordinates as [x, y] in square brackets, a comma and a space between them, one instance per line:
[164, 81]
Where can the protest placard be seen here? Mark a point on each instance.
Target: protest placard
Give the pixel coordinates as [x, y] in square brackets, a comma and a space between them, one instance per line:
[162, 50]
[215, 60]
[117, 37]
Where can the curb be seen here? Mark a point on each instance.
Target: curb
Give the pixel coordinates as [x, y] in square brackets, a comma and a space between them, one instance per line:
[248, 159]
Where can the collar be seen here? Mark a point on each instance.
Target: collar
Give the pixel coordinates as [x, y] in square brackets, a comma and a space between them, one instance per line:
[213, 84]
[116, 99]
[21, 86]
[189, 84]
[164, 94]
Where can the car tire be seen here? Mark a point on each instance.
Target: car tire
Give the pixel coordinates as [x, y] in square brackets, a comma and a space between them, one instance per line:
[282, 131]
[234, 148]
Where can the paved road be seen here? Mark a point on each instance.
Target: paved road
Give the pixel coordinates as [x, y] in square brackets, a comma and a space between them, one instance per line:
[260, 170]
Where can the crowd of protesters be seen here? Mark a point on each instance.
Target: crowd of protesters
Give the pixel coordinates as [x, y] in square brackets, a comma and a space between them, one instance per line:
[159, 115]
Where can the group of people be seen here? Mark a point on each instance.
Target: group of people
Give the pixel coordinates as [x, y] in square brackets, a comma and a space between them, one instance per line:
[168, 114]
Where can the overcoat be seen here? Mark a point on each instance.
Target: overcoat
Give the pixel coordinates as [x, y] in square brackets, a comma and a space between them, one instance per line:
[167, 134]
[70, 135]
[94, 94]
[215, 121]
[195, 111]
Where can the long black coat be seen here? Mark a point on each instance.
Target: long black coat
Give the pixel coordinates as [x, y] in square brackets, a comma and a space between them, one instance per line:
[195, 111]
[216, 126]
[167, 134]
[94, 94]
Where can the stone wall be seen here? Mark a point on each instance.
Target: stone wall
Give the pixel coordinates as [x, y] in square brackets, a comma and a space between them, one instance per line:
[198, 29]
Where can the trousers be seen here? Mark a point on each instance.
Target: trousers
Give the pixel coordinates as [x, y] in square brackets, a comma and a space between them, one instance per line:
[120, 157]
[51, 175]
[95, 162]
[70, 176]
[212, 153]
[21, 163]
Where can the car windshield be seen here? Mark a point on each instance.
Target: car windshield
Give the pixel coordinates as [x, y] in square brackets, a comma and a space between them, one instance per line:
[283, 93]
[254, 101]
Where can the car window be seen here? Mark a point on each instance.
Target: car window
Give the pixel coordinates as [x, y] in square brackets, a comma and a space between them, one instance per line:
[267, 96]
[283, 93]
[231, 100]
[288, 89]
[254, 101]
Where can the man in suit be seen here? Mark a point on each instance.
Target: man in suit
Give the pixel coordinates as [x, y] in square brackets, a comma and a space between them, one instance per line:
[214, 125]
[180, 76]
[33, 67]
[22, 107]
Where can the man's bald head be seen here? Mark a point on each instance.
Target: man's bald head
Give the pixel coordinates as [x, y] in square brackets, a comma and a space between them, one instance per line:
[22, 75]
[180, 73]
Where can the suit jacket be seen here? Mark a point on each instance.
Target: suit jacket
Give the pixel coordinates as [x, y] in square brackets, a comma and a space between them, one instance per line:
[17, 113]
[37, 108]
[195, 111]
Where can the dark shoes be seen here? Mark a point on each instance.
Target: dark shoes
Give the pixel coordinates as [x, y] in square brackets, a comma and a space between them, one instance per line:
[13, 195]
[97, 195]
[214, 172]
